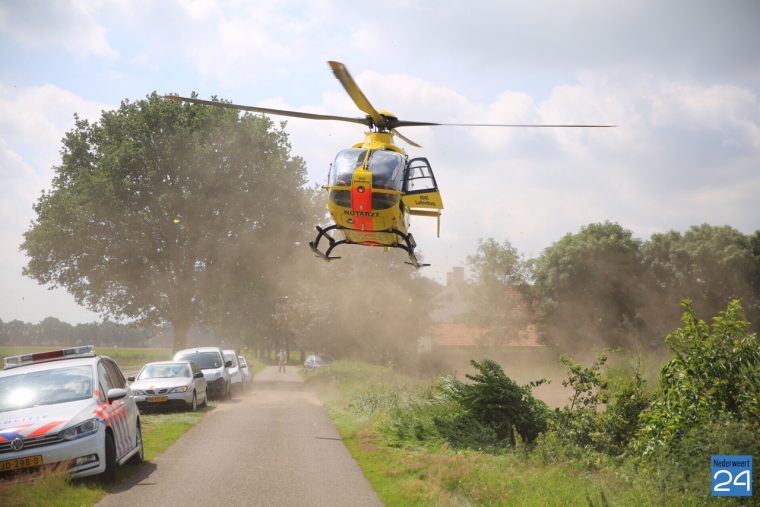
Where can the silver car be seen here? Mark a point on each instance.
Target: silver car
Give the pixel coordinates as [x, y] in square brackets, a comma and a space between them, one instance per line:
[236, 376]
[169, 384]
[247, 373]
[214, 368]
[314, 362]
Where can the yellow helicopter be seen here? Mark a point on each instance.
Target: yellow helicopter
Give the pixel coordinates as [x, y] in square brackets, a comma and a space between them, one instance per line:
[373, 187]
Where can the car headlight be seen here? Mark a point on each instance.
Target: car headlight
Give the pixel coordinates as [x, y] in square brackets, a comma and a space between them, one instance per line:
[181, 389]
[138, 392]
[83, 429]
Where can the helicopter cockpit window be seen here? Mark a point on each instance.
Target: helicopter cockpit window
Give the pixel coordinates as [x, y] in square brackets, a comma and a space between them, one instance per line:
[346, 162]
[387, 169]
[387, 173]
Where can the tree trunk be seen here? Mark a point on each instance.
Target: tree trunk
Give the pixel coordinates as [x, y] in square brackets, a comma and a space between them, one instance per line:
[181, 328]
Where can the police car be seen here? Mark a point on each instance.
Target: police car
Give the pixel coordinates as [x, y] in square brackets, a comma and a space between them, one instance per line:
[67, 406]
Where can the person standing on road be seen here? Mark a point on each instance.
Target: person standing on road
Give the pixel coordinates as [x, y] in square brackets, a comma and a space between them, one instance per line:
[281, 359]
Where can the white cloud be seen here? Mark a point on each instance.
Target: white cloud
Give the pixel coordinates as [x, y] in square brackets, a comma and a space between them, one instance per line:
[68, 23]
[32, 123]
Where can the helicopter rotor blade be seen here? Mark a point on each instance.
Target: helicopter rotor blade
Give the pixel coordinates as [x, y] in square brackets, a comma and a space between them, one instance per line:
[404, 138]
[353, 90]
[266, 110]
[394, 123]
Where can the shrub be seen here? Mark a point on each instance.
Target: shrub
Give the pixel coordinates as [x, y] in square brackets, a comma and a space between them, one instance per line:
[620, 421]
[714, 374]
[497, 402]
[603, 415]
[686, 467]
[489, 413]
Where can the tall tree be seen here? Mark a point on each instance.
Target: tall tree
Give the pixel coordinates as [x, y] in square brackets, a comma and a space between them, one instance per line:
[500, 297]
[709, 265]
[153, 206]
[587, 287]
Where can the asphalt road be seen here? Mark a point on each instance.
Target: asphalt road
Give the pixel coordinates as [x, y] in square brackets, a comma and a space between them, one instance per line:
[273, 445]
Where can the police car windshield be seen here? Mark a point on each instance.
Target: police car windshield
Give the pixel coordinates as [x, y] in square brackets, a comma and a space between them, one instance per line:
[204, 360]
[47, 387]
[164, 371]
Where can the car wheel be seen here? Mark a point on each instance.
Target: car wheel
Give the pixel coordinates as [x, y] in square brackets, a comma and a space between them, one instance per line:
[110, 474]
[228, 395]
[139, 456]
[194, 406]
[205, 399]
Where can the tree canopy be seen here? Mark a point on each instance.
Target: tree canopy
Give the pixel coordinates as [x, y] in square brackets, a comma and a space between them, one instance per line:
[601, 285]
[499, 299]
[586, 286]
[155, 207]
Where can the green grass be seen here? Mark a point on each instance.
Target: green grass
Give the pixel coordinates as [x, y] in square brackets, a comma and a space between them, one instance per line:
[54, 488]
[162, 430]
[361, 399]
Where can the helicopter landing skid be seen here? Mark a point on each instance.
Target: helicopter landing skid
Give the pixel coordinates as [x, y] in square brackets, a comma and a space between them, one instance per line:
[408, 245]
[314, 245]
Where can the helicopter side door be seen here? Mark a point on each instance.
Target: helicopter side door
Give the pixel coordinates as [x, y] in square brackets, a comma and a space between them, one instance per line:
[420, 188]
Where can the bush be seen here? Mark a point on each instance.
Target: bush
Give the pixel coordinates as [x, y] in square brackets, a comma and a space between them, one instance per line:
[714, 375]
[620, 421]
[686, 467]
[603, 414]
[497, 402]
[488, 414]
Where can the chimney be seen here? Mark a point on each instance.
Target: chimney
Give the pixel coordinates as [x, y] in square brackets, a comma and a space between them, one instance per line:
[455, 276]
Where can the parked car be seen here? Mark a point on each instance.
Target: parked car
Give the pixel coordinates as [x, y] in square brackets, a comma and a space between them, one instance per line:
[215, 369]
[316, 361]
[68, 405]
[236, 376]
[175, 384]
[247, 373]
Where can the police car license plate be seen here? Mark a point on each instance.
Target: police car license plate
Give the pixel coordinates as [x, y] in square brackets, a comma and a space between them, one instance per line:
[158, 399]
[15, 464]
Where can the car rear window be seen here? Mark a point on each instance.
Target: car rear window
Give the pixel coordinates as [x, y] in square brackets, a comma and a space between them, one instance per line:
[204, 360]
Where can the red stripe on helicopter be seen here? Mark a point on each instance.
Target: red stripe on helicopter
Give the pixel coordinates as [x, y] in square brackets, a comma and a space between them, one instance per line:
[44, 429]
[361, 201]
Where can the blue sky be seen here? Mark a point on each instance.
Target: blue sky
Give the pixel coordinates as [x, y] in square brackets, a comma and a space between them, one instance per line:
[680, 78]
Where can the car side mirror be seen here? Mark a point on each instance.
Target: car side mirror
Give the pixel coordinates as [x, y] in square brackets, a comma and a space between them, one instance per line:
[228, 364]
[131, 379]
[116, 394]
[198, 375]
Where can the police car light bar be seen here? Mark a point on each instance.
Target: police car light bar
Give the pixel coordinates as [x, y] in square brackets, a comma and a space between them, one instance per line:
[52, 355]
